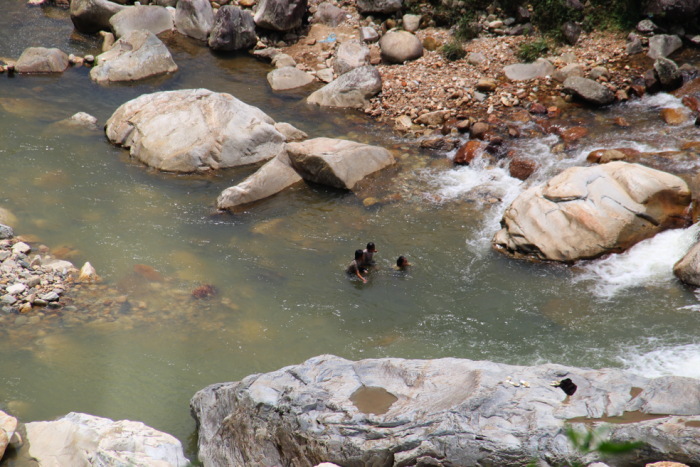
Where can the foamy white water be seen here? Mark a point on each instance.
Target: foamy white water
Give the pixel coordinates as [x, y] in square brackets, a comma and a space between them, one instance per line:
[649, 262]
[660, 100]
[682, 360]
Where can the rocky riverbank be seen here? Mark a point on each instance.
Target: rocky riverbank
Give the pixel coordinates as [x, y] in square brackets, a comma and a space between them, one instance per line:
[446, 412]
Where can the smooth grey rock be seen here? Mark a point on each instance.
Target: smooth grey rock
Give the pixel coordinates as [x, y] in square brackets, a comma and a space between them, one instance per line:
[586, 212]
[91, 16]
[353, 89]
[400, 46]
[447, 412]
[282, 79]
[687, 269]
[674, 10]
[282, 60]
[379, 6]
[335, 162]
[136, 55]
[525, 71]
[6, 232]
[350, 55]
[571, 32]
[476, 58]
[81, 120]
[574, 69]
[329, 15]
[662, 45]
[325, 75]
[233, 29]
[273, 177]
[154, 18]
[15, 289]
[634, 46]
[668, 73]
[411, 23]
[21, 248]
[280, 15]
[194, 18]
[42, 60]
[290, 132]
[79, 439]
[193, 129]
[646, 26]
[599, 71]
[50, 297]
[8, 299]
[368, 34]
[589, 90]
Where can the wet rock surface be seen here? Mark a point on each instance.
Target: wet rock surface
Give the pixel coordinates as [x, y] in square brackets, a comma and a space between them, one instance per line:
[589, 90]
[168, 130]
[136, 55]
[438, 412]
[586, 212]
[288, 77]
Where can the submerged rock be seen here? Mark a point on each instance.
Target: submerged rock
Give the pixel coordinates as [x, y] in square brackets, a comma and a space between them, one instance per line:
[91, 16]
[443, 412]
[586, 212]
[194, 129]
[80, 440]
[335, 162]
[353, 89]
[42, 60]
[270, 179]
[687, 269]
[136, 55]
[154, 18]
[233, 29]
[288, 77]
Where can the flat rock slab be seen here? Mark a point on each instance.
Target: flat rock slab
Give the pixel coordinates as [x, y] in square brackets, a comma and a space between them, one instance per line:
[336, 162]
[136, 55]
[273, 177]
[194, 129]
[586, 212]
[91, 16]
[282, 79]
[353, 89]
[42, 60]
[590, 91]
[525, 71]
[154, 18]
[81, 440]
[393, 412]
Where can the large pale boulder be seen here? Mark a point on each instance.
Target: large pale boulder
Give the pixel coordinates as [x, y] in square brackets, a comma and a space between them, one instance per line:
[350, 55]
[586, 212]
[136, 55]
[42, 60]
[8, 425]
[273, 177]
[687, 269]
[193, 129]
[663, 45]
[352, 89]
[336, 162]
[280, 15]
[154, 18]
[379, 6]
[400, 46]
[282, 79]
[233, 29]
[194, 18]
[81, 440]
[444, 412]
[525, 71]
[91, 16]
[590, 91]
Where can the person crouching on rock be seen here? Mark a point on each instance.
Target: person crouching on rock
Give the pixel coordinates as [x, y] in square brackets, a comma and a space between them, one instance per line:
[356, 267]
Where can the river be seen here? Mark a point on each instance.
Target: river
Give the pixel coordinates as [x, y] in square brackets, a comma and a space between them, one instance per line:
[279, 267]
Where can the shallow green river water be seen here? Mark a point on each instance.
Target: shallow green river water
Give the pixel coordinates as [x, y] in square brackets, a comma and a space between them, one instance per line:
[279, 268]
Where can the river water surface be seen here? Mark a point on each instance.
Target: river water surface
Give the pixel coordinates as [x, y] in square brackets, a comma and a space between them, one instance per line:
[282, 294]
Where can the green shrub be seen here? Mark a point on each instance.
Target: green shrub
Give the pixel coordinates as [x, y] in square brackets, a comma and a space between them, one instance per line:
[453, 50]
[467, 28]
[531, 51]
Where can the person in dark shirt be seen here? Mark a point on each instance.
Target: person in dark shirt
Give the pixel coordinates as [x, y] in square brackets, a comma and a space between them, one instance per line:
[356, 267]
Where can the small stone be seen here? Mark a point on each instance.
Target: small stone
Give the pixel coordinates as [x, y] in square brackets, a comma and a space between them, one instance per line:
[89, 58]
[21, 247]
[621, 122]
[468, 152]
[21, 320]
[538, 109]
[479, 130]
[39, 302]
[16, 289]
[521, 168]
[476, 58]
[674, 116]
[486, 85]
[50, 297]
[6, 232]
[8, 299]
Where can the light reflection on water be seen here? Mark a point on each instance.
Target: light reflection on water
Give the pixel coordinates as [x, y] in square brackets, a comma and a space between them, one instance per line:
[283, 296]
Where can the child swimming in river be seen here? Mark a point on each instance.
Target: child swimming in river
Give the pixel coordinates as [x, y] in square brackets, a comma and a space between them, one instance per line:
[402, 263]
[357, 266]
[368, 255]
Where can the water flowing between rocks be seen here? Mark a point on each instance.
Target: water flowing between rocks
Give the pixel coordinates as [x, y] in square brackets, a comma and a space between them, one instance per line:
[278, 268]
